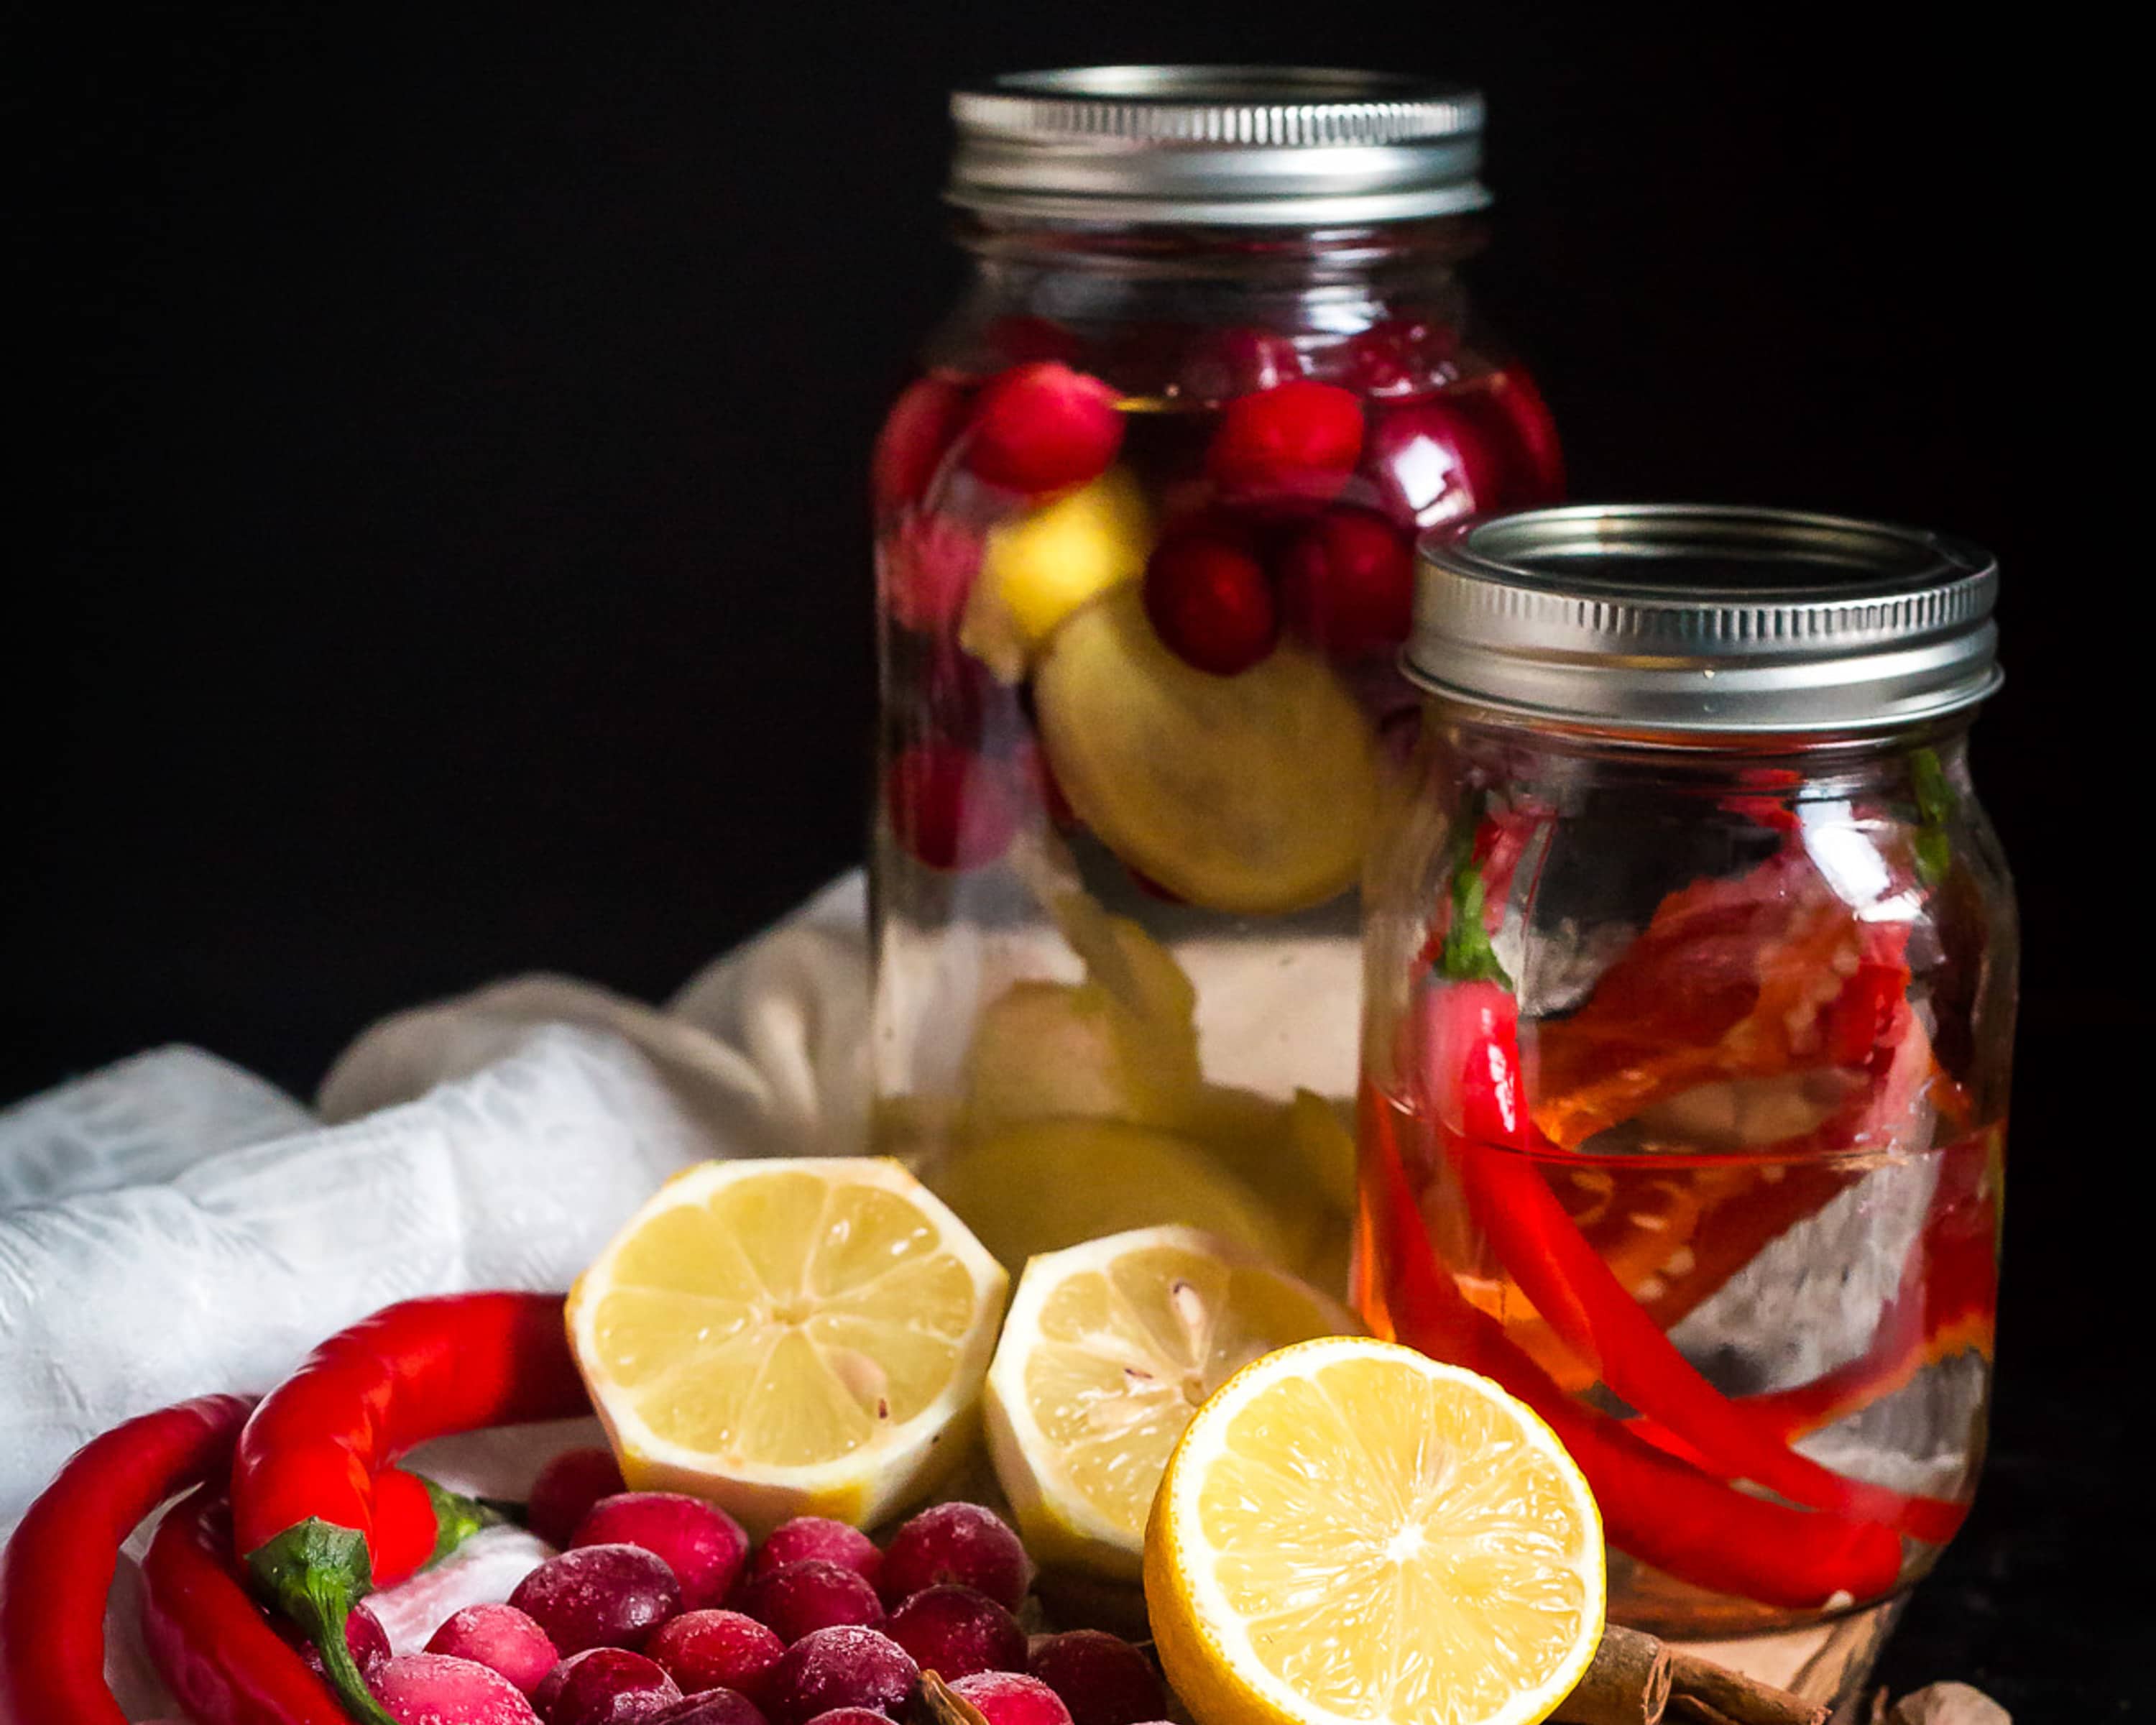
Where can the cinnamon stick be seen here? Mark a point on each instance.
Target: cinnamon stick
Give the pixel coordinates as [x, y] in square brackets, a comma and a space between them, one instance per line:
[1704, 1693]
[1628, 1683]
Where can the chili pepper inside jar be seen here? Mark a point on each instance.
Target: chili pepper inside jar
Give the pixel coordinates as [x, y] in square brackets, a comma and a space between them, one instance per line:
[1692, 967]
[1145, 530]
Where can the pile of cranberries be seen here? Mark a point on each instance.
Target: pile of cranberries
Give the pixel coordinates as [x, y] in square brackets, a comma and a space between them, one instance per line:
[659, 1610]
[1287, 481]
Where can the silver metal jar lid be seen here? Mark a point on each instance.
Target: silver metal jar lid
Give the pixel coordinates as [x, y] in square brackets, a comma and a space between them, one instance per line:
[1241, 145]
[1689, 618]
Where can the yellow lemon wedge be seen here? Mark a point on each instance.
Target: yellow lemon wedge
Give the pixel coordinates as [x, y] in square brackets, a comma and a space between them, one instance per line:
[789, 1338]
[1349, 1531]
[1050, 562]
[1254, 794]
[1109, 1349]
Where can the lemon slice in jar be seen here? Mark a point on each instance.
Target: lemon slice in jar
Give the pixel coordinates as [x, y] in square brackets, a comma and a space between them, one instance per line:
[1349, 1531]
[1253, 793]
[789, 1338]
[1109, 1349]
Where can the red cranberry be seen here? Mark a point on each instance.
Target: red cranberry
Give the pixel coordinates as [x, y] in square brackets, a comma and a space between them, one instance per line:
[1398, 357]
[1007, 1698]
[1347, 582]
[1222, 364]
[963, 1542]
[950, 808]
[1430, 463]
[851, 1715]
[713, 1706]
[819, 1537]
[420, 1688]
[716, 1650]
[1044, 427]
[926, 565]
[1020, 340]
[1540, 477]
[1210, 603]
[703, 1545]
[846, 1666]
[567, 1488]
[923, 424]
[600, 1596]
[363, 1635]
[796, 1599]
[605, 1686]
[502, 1639]
[1101, 1678]
[1298, 442]
[955, 1631]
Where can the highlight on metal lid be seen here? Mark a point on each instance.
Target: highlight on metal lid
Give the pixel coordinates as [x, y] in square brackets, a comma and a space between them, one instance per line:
[1234, 146]
[1704, 617]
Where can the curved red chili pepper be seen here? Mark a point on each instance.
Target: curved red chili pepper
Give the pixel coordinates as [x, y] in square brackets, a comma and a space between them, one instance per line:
[208, 1639]
[57, 1571]
[318, 1515]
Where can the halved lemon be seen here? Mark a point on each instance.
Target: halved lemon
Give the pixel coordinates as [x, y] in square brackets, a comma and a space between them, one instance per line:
[789, 1338]
[1348, 1531]
[1109, 1349]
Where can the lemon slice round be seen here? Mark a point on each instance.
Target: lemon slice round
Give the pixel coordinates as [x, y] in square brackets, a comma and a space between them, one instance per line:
[789, 1338]
[1109, 1349]
[1348, 1531]
[1253, 793]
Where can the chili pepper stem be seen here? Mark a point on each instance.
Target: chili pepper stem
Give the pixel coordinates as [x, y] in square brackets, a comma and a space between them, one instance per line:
[458, 1517]
[314, 1574]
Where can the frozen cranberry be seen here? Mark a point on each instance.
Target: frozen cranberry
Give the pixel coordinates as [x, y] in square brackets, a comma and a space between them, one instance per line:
[813, 1594]
[1008, 1699]
[957, 1541]
[1347, 582]
[600, 1596]
[713, 1706]
[819, 1537]
[846, 1666]
[702, 1544]
[502, 1639]
[1210, 602]
[433, 1689]
[1430, 463]
[1298, 442]
[1101, 1678]
[851, 1715]
[923, 424]
[955, 1631]
[1222, 364]
[1044, 427]
[950, 808]
[1398, 357]
[363, 1635]
[567, 1488]
[605, 1686]
[716, 1650]
[927, 566]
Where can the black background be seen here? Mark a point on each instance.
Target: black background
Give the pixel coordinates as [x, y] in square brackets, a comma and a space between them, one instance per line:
[450, 471]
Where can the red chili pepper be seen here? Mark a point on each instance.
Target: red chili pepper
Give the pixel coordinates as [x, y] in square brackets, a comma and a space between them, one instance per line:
[1653, 1504]
[1474, 1033]
[208, 1639]
[57, 1571]
[312, 1516]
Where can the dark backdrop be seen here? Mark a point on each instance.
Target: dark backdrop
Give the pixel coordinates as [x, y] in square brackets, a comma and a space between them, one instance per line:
[449, 481]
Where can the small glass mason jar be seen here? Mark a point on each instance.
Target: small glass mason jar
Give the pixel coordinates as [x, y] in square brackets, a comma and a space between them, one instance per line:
[1145, 530]
[1691, 988]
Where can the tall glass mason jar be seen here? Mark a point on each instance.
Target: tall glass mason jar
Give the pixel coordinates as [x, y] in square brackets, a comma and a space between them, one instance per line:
[1691, 963]
[1144, 531]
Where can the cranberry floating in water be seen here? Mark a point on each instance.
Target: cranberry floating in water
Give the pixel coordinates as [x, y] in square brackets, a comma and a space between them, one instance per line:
[1222, 364]
[927, 566]
[795, 1599]
[847, 1666]
[1402, 356]
[923, 424]
[1044, 427]
[702, 1544]
[1021, 339]
[819, 1537]
[502, 1639]
[1296, 442]
[955, 1631]
[600, 1596]
[950, 808]
[1537, 477]
[716, 1650]
[433, 1689]
[567, 1488]
[1430, 463]
[606, 1685]
[1347, 582]
[1210, 602]
[964, 1543]
[1008, 1699]
[1101, 1678]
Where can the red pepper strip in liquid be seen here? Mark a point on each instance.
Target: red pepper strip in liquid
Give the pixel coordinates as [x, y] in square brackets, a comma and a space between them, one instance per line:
[209, 1640]
[1654, 1506]
[306, 1482]
[1474, 1034]
[57, 1571]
